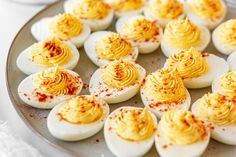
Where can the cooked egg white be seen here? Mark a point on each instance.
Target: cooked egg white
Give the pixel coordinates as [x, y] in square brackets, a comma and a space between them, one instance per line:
[164, 10]
[142, 32]
[49, 87]
[208, 13]
[182, 34]
[129, 131]
[48, 53]
[63, 26]
[219, 113]
[77, 118]
[180, 132]
[97, 14]
[224, 38]
[197, 69]
[127, 7]
[118, 81]
[231, 61]
[225, 84]
[105, 46]
[164, 90]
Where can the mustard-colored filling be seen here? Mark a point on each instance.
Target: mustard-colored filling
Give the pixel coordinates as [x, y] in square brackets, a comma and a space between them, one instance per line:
[126, 5]
[228, 84]
[182, 127]
[119, 74]
[90, 9]
[165, 86]
[134, 124]
[140, 29]
[217, 109]
[113, 47]
[212, 9]
[189, 63]
[182, 34]
[50, 52]
[65, 26]
[56, 82]
[227, 32]
[81, 110]
[165, 9]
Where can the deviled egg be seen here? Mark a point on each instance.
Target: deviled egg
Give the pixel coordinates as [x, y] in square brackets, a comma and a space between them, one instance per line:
[180, 132]
[231, 61]
[49, 87]
[142, 32]
[126, 7]
[97, 14]
[117, 81]
[224, 37]
[164, 90]
[225, 84]
[208, 13]
[219, 113]
[48, 53]
[104, 46]
[77, 118]
[63, 26]
[129, 131]
[197, 70]
[164, 10]
[182, 34]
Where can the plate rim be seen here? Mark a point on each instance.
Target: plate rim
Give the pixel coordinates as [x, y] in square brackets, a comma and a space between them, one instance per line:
[9, 90]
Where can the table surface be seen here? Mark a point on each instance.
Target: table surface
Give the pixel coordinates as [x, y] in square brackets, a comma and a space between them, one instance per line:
[13, 16]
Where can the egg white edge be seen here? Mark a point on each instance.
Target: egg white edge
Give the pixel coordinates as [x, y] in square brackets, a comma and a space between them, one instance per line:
[231, 61]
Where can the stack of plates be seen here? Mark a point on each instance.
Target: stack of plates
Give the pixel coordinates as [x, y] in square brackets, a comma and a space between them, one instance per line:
[231, 3]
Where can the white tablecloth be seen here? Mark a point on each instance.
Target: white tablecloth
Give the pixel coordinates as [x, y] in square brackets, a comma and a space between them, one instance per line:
[12, 17]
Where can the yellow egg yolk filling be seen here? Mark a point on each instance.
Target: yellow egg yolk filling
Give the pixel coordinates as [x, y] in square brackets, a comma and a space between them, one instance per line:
[90, 9]
[228, 83]
[141, 29]
[189, 64]
[113, 47]
[182, 127]
[56, 82]
[227, 32]
[126, 5]
[81, 110]
[165, 86]
[50, 52]
[165, 9]
[217, 109]
[182, 34]
[120, 74]
[134, 124]
[65, 26]
[212, 9]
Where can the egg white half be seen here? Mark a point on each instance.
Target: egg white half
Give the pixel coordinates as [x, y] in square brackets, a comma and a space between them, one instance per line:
[163, 108]
[167, 149]
[169, 49]
[143, 46]
[121, 147]
[95, 25]
[113, 95]
[67, 131]
[27, 89]
[220, 46]
[27, 66]
[232, 61]
[40, 31]
[206, 79]
[223, 134]
[210, 23]
[90, 48]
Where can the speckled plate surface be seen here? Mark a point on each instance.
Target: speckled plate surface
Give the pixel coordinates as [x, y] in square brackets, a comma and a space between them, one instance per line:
[94, 146]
